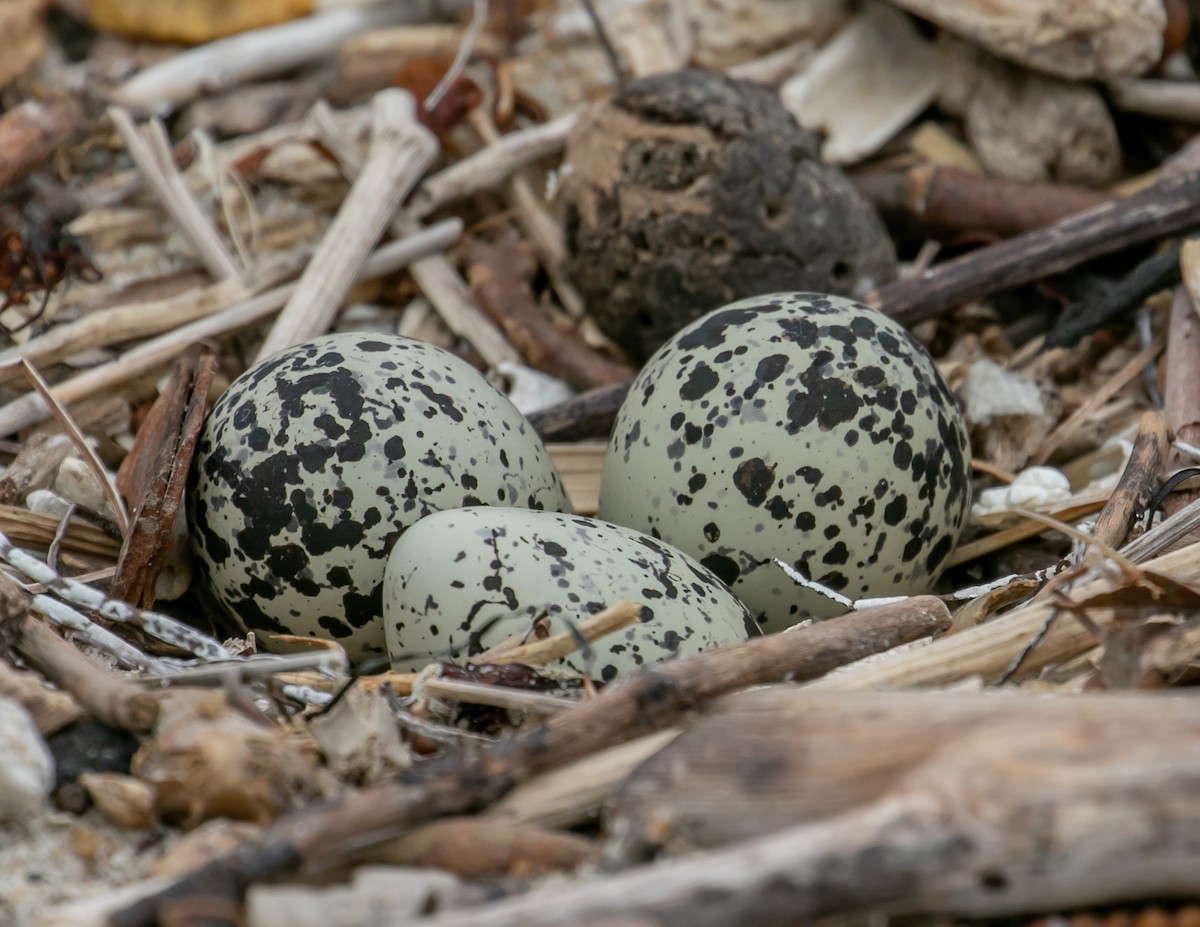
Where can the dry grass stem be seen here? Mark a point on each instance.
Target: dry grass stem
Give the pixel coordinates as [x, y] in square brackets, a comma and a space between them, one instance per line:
[1096, 399]
[496, 696]
[557, 646]
[82, 445]
[491, 166]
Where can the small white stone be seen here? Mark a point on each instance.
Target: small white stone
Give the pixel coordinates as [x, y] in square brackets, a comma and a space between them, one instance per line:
[27, 772]
[46, 502]
[77, 483]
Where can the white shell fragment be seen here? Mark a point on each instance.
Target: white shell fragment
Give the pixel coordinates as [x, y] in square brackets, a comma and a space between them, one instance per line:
[314, 461]
[27, 772]
[1034, 487]
[463, 580]
[798, 426]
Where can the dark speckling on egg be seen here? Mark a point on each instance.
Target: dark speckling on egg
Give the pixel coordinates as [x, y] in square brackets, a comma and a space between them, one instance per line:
[314, 461]
[837, 448]
[510, 566]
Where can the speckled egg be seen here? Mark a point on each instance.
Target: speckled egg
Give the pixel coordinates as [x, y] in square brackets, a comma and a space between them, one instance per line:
[796, 426]
[461, 581]
[314, 461]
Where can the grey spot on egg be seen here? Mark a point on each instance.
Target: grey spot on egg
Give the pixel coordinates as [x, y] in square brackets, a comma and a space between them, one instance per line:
[462, 580]
[314, 461]
[827, 439]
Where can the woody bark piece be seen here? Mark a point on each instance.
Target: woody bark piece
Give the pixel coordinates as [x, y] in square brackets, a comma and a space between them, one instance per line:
[1078, 41]
[950, 199]
[153, 479]
[32, 131]
[1167, 208]
[1139, 480]
[401, 148]
[499, 275]
[991, 805]
[460, 781]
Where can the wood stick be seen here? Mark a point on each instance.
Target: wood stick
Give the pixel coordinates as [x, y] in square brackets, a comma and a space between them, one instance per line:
[1132, 368]
[490, 166]
[401, 149]
[434, 275]
[1169, 207]
[1176, 101]
[951, 199]
[459, 782]
[1139, 480]
[571, 794]
[907, 803]
[499, 284]
[1181, 391]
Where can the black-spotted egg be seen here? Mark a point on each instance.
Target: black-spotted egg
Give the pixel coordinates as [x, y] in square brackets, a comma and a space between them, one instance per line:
[796, 426]
[316, 460]
[463, 580]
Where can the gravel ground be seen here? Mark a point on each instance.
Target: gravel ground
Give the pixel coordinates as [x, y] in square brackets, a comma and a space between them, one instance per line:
[65, 857]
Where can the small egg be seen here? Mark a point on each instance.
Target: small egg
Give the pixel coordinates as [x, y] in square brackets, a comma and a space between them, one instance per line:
[461, 581]
[796, 426]
[314, 461]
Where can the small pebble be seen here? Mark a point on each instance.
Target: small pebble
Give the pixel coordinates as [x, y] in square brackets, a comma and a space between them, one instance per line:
[77, 483]
[27, 772]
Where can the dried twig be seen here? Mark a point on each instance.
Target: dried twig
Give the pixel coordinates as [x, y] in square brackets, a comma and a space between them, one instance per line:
[1097, 398]
[157, 352]
[491, 165]
[105, 695]
[163, 627]
[151, 152]
[1167, 208]
[401, 149]
[463, 781]
[226, 63]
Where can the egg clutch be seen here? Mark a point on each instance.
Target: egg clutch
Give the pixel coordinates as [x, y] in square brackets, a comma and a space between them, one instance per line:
[379, 492]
